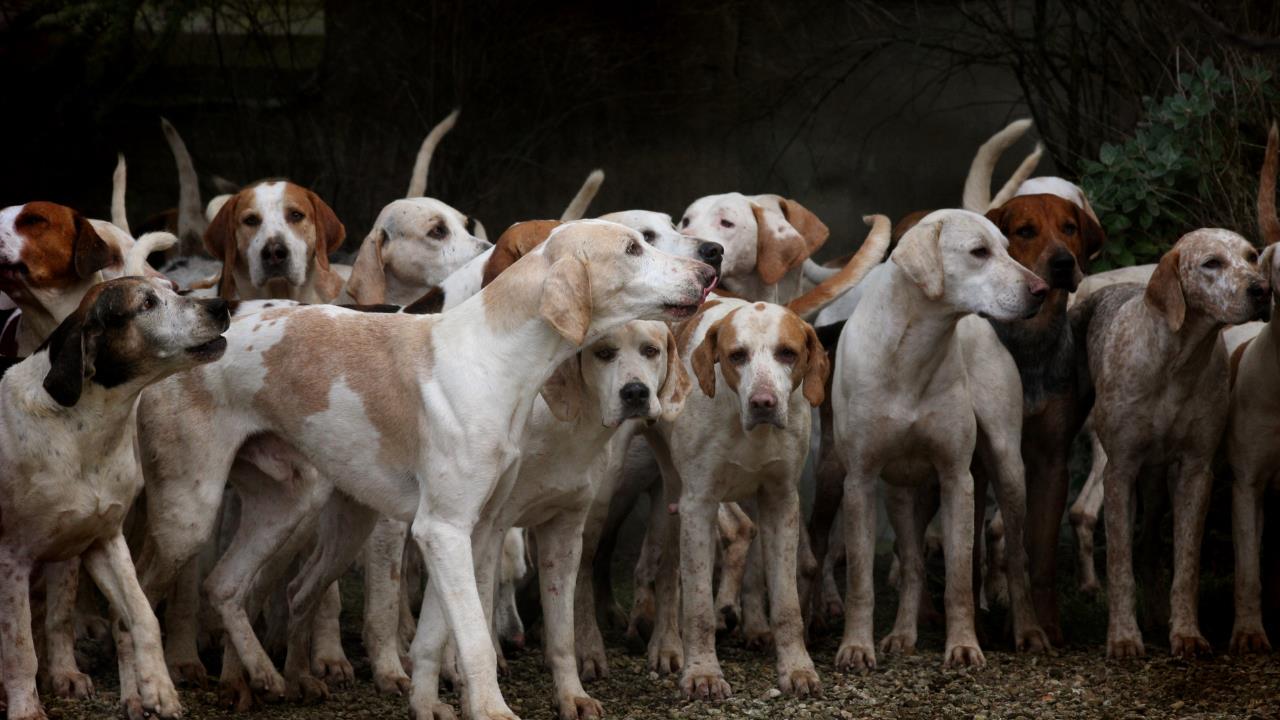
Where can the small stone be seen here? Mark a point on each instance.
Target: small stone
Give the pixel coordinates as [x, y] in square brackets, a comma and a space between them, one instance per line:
[772, 693]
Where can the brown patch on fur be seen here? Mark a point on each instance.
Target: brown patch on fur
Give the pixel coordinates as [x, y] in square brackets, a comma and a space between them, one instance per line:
[684, 331]
[60, 247]
[1039, 225]
[429, 304]
[720, 337]
[1164, 291]
[1268, 221]
[779, 253]
[812, 366]
[518, 240]
[904, 225]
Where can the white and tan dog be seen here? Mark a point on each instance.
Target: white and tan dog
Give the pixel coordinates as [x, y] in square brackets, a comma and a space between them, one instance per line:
[913, 402]
[434, 449]
[69, 472]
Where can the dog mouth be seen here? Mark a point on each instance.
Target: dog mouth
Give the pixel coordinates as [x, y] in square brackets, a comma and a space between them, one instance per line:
[211, 350]
[13, 272]
[679, 312]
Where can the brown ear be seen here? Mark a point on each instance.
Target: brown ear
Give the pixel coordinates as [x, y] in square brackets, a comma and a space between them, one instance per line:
[330, 232]
[368, 282]
[676, 385]
[920, 257]
[704, 360]
[518, 240]
[1164, 291]
[817, 367]
[89, 252]
[71, 351]
[780, 250]
[220, 242]
[566, 299]
[1091, 233]
[563, 390]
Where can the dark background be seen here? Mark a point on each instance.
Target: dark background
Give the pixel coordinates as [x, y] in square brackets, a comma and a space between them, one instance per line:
[849, 107]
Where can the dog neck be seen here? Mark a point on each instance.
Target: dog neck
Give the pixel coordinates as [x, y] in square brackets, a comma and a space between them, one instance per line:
[919, 333]
[44, 309]
[1192, 343]
[1041, 347]
[107, 412]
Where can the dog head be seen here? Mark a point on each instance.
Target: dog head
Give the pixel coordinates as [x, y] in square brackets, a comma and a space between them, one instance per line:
[960, 258]
[49, 250]
[415, 244]
[275, 231]
[1053, 237]
[631, 372]
[765, 353]
[133, 331]
[657, 229]
[764, 234]
[1212, 272]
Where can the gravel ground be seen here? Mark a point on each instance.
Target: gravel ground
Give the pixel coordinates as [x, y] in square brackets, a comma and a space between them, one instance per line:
[1078, 682]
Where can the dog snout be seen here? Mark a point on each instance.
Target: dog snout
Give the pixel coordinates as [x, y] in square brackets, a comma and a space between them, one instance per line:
[635, 397]
[275, 255]
[1257, 292]
[707, 276]
[763, 400]
[219, 310]
[1062, 270]
[1037, 287]
[711, 253]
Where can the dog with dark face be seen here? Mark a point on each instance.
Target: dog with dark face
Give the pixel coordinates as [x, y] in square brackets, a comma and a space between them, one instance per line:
[69, 472]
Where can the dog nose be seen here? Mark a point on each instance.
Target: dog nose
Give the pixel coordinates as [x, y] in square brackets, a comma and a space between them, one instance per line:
[1038, 288]
[275, 253]
[635, 393]
[711, 254]
[763, 401]
[217, 307]
[1257, 291]
[1062, 264]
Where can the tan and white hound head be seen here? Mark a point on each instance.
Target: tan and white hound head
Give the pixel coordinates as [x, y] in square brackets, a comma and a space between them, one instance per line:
[595, 275]
[132, 331]
[1213, 273]
[763, 234]
[1053, 237]
[49, 255]
[275, 231]
[415, 243]
[631, 372]
[765, 353]
[1061, 187]
[659, 231]
[959, 258]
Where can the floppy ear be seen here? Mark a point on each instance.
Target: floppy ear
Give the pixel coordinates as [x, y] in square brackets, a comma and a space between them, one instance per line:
[780, 250]
[368, 282]
[704, 360]
[817, 367]
[515, 243]
[676, 385]
[220, 242]
[71, 348]
[563, 390]
[920, 257]
[90, 253]
[1164, 291]
[566, 299]
[329, 236]
[1267, 266]
[1090, 232]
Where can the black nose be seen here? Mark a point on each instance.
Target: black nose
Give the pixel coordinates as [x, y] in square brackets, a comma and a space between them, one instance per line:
[711, 254]
[1257, 291]
[275, 253]
[219, 310]
[635, 393]
[1062, 263]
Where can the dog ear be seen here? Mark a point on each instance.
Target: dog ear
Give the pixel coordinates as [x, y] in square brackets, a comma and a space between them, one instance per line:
[566, 299]
[368, 282]
[1090, 232]
[330, 233]
[676, 386]
[71, 349]
[563, 391]
[89, 252]
[1164, 291]
[704, 360]
[919, 254]
[518, 240]
[220, 242]
[1267, 266]
[782, 248]
[817, 367]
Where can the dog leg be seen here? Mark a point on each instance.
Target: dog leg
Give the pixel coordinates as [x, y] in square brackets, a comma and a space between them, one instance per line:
[736, 532]
[1247, 501]
[112, 569]
[428, 651]
[382, 601]
[1084, 517]
[61, 580]
[779, 503]
[559, 545]
[957, 533]
[1124, 639]
[593, 663]
[644, 607]
[17, 646]
[328, 659]
[826, 609]
[1190, 495]
[702, 678]
[901, 502]
[182, 626]
[857, 649]
[1007, 471]
[756, 633]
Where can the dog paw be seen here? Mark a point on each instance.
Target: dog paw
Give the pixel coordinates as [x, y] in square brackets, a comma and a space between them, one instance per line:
[158, 696]
[334, 670]
[580, 708]
[190, 673]
[964, 656]
[392, 682]
[898, 643]
[758, 640]
[439, 711]
[36, 713]
[666, 657]
[71, 684]
[855, 658]
[1033, 640]
[1188, 645]
[704, 684]
[268, 683]
[1249, 640]
[1124, 646]
[592, 666]
[800, 682]
[236, 695]
[307, 689]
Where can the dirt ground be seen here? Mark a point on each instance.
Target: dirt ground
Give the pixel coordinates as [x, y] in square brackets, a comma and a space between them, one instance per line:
[1077, 682]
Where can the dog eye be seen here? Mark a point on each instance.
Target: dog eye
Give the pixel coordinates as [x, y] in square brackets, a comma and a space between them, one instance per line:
[725, 223]
[1026, 232]
[295, 216]
[981, 253]
[633, 248]
[684, 222]
[1251, 257]
[649, 351]
[252, 220]
[29, 219]
[439, 232]
[148, 303]
[1069, 229]
[1212, 263]
[650, 236]
[786, 356]
[606, 354]
[738, 357]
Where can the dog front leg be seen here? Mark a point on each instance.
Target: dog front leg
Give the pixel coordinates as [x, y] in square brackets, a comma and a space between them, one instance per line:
[908, 531]
[1084, 517]
[666, 651]
[957, 537]
[1124, 639]
[428, 651]
[17, 646]
[702, 678]
[857, 649]
[559, 545]
[382, 567]
[182, 626]
[1247, 500]
[1190, 495]
[593, 663]
[1011, 494]
[61, 580]
[328, 660]
[779, 504]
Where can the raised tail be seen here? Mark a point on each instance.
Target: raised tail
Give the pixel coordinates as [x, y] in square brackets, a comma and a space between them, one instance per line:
[867, 257]
[578, 206]
[135, 261]
[1268, 222]
[191, 222]
[418, 180]
[119, 179]
[977, 185]
[1018, 177]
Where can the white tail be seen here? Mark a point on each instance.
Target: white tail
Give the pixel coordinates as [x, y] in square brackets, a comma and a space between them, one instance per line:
[135, 261]
[1018, 177]
[418, 180]
[578, 206]
[977, 186]
[191, 222]
[119, 179]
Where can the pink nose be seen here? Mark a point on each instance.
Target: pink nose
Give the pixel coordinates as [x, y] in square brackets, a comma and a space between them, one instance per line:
[1038, 288]
[763, 401]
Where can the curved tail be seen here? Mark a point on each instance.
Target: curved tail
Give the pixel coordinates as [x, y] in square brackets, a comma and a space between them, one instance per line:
[191, 222]
[135, 261]
[815, 273]
[119, 179]
[867, 257]
[1268, 222]
[977, 185]
[418, 180]
[578, 206]
[1018, 177]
